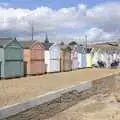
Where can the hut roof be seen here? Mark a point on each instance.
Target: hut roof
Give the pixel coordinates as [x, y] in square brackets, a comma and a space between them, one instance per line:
[27, 44]
[47, 45]
[67, 47]
[4, 41]
[73, 43]
[80, 49]
[88, 50]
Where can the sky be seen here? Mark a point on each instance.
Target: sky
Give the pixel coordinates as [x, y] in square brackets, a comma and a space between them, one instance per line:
[55, 4]
[64, 20]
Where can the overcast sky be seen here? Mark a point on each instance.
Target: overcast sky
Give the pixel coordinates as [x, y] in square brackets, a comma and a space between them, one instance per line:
[64, 20]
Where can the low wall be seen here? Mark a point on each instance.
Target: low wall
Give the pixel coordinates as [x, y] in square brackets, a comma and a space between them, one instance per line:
[53, 102]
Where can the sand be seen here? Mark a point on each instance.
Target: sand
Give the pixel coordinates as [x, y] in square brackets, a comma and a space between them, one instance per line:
[95, 108]
[17, 90]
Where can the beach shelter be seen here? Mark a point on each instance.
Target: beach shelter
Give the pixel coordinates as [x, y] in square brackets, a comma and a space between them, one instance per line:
[81, 56]
[112, 53]
[74, 57]
[99, 54]
[54, 58]
[108, 57]
[47, 45]
[95, 56]
[33, 57]
[105, 53]
[65, 62]
[11, 58]
[88, 57]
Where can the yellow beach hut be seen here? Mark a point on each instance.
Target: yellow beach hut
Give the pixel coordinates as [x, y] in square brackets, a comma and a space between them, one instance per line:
[89, 58]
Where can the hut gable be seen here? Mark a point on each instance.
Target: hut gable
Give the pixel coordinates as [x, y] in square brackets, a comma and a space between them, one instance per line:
[13, 43]
[80, 49]
[32, 44]
[27, 44]
[5, 42]
[88, 50]
[38, 45]
[72, 44]
[37, 51]
[11, 48]
[47, 45]
[55, 51]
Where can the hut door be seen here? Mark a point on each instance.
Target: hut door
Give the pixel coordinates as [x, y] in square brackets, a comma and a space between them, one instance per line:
[25, 68]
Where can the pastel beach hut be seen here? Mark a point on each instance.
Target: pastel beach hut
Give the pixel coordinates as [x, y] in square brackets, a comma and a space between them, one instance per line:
[81, 55]
[88, 58]
[66, 63]
[74, 57]
[34, 63]
[47, 45]
[11, 58]
[54, 58]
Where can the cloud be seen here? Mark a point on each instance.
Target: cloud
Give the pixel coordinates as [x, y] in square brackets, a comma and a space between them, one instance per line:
[100, 23]
[105, 16]
[98, 35]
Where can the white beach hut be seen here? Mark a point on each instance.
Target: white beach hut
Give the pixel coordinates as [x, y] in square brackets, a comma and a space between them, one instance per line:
[54, 51]
[74, 57]
[47, 45]
[81, 55]
[105, 53]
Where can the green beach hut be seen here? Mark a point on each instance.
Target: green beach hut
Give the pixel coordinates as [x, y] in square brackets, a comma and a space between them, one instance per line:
[11, 58]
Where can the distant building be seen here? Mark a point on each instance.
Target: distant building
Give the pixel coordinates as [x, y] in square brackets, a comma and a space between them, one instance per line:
[46, 43]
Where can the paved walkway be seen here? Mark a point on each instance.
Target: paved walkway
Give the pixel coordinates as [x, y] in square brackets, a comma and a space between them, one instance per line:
[17, 90]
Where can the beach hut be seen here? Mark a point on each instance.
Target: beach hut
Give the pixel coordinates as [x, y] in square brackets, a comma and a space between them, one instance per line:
[34, 63]
[11, 58]
[81, 55]
[88, 58]
[65, 63]
[98, 55]
[47, 45]
[74, 57]
[54, 58]
[95, 58]
[105, 53]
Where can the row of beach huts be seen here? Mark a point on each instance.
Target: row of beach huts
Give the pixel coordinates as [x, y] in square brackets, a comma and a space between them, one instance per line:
[21, 58]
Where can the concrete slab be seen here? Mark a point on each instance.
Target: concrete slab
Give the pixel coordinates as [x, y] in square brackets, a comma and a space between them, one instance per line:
[20, 107]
